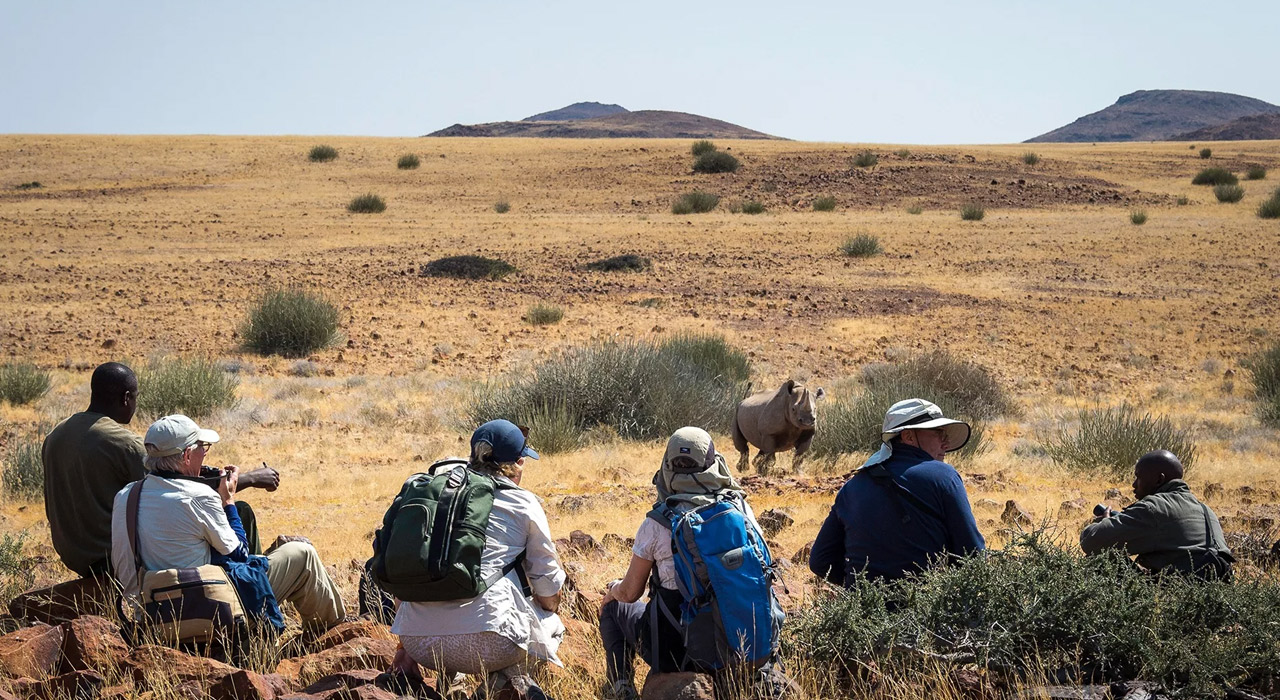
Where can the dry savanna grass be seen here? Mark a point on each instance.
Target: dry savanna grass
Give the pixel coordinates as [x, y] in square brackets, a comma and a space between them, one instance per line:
[139, 246]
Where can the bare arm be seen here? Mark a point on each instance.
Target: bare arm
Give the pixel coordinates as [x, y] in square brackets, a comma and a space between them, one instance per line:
[631, 587]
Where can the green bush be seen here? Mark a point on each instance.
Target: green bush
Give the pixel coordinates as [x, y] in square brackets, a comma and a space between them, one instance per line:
[1229, 194]
[862, 245]
[17, 570]
[1137, 217]
[1183, 200]
[1206, 153]
[1214, 176]
[1107, 441]
[194, 387]
[695, 202]
[1034, 607]
[291, 322]
[22, 383]
[1263, 369]
[915, 209]
[629, 262]
[752, 207]
[1270, 209]
[716, 162]
[408, 161]
[544, 314]
[1030, 158]
[903, 153]
[824, 203]
[865, 159]
[33, 185]
[502, 206]
[972, 212]
[469, 267]
[642, 390]
[1255, 172]
[701, 148]
[23, 473]
[322, 154]
[367, 204]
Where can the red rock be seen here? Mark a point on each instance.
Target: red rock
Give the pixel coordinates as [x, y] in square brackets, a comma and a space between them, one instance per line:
[34, 652]
[678, 686]
[92, 642]
[279, 684]
[187, 690]
[344, 679]
[157, 667]
[241, 685]
[580, 649]
[347, 631]
[118, 692]
[80, 685]
[355, 654]
[64, 602]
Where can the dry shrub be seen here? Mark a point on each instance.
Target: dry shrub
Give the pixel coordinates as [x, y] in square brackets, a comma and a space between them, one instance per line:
[1107, 441]
[22, 383]
[194, 387]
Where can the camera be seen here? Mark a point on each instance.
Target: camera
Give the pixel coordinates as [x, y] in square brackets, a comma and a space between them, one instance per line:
[211, 477]
[1099, 510]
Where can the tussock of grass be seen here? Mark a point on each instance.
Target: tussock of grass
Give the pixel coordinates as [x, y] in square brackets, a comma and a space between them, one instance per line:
[865, 159]
[1030, 158]
[915, 209]
[1263, 369]
[1228, 194]
[1206, 153]
[752, 207]
[17, 569]
[972, 212]
[470, 267]
[23, 473]
[1214, 176]
[701, 148]
[695, 202]
[825, 203]
[862, 245]
[33, 185]
[22, 383]
[367, 204]
[629, 262]
[1183, 200]
[291, 322]
[322, 154]
[502, 206]
[1255, 172]
[1107, 441]
[544, 314]
[1270, 209]
[194, 387]
[716, 162]
[1137, 217]
[903, 153]
[408, 161]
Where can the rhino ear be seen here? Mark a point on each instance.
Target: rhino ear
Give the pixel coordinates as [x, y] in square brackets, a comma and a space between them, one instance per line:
[789, 386]
[821, 394]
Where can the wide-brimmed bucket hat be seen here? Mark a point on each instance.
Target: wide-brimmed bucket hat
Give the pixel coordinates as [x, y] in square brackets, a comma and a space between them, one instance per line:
[918, 414]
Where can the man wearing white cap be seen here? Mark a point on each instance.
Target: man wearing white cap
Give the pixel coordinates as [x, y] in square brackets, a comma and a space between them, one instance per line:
[905, 506]
[182, 521]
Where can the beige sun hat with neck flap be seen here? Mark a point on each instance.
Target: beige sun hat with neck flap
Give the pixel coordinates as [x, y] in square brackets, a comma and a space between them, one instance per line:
[918, 414]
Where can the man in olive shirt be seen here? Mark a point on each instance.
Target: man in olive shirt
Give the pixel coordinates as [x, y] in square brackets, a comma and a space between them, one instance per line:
[89, 457]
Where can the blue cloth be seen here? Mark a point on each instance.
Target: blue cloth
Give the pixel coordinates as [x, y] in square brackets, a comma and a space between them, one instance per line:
[881, 531]
[248, 573]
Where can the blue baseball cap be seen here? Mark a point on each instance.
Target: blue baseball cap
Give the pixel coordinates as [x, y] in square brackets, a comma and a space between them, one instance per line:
[509, 441]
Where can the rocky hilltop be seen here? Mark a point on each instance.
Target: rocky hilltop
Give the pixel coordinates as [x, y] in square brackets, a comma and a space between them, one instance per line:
[645, 124]
[577, 110]
[1253, 128]
[1158, 115]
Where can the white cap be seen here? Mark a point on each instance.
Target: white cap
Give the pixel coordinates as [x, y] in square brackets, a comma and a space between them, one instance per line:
[173, 434]
[918, 414]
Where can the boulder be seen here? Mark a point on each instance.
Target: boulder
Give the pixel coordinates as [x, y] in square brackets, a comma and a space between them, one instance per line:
[76, 685]
[347, 631]
[34, 652]
[775, 520]
[802, 555]
[678, 686]
[343, 679]
[186, 690]
[1072, 507]
[64, 602]
[584, 543]
[124, 691]
[1014, 514]
[241, 685]
[348, 684]
[355, 654]
[159, 668]
[580, 650]
[92, 642]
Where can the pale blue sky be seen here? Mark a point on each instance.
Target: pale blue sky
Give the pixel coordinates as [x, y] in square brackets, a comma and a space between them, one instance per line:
[891, 72]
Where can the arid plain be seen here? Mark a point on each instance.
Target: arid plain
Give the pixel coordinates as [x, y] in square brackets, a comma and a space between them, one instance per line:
[137, 246]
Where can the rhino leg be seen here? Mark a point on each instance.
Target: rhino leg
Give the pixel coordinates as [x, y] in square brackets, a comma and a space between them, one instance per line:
[743, 458]
[802, 446]
[763, 461]
[740, 444]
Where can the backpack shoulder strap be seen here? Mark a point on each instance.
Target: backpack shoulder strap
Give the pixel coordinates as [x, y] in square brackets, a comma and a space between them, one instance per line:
[1209, 544]
[881, 476]
[131, 520]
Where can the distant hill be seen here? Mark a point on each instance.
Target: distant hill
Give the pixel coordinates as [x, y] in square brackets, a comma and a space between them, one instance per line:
[642, 124]
[577, 110]
[1252, 128]
[1157, 115]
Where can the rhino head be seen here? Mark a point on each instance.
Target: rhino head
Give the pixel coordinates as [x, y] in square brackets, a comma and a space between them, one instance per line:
[802, 406]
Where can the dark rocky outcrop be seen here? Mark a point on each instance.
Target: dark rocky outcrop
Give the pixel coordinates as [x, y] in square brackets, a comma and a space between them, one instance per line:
[1157, 115]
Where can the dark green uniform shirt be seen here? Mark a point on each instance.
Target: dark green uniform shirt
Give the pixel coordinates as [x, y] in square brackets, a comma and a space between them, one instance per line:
[1163, 529]
[87, 459]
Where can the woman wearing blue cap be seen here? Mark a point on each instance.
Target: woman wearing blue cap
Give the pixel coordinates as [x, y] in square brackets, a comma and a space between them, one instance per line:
[499, 631]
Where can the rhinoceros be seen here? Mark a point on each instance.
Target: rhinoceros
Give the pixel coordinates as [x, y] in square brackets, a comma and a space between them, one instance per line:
[775, 422]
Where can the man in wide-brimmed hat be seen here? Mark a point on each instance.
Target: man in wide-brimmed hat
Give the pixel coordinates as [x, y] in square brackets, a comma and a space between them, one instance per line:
[904, 507]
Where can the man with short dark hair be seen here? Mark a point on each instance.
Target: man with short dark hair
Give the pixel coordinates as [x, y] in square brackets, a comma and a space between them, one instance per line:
[1167, 528]
[89, 457]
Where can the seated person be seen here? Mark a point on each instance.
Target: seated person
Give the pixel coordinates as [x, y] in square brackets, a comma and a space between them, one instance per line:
[904, 506]
[183, 522]
[90, 456]
[499, 631]
[1168, 528]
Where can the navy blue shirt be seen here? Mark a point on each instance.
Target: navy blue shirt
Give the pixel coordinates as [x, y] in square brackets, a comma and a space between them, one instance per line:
[881, 531]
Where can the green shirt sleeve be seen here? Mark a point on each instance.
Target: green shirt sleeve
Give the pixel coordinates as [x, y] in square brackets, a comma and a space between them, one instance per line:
[1135, 528]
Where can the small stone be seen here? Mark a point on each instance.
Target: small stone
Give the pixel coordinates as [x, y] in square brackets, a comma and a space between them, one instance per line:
[1073, 506]
[678, 686]
[774, 520]
[802, 555]
[1015, 514]
[1213, 490]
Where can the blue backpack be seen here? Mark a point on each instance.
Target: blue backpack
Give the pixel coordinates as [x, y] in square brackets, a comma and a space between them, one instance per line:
[730, 616]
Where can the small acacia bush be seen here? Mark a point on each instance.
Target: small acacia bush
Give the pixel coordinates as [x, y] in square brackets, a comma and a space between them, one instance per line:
[629, 262]
[23, 474]
[408, 161]
[1137, 217]
[1183, 200]
[696, 202]
[502, 206]
[543, 314]
[470, 267]
[1030, 158]
[367, 204]
[903, 153]
[1107, 441]
[322, 154]
[1270, 209]
[972, 212]
[825, 203]
[1229, 194]
[194, 387]
[865, 159]
[1255, 172]
[1264, 372]
[701, 148]
[915, 209]
[640, 389]
[1206, 153]
[751, 206]
[291, 322]
[716, 162]
[1214, 176]
[863, 245]
[22, 383]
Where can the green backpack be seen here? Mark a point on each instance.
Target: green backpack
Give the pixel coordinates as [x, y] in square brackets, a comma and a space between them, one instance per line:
[433, 535]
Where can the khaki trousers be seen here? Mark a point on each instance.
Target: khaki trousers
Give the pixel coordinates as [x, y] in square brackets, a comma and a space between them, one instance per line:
[297, 575]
